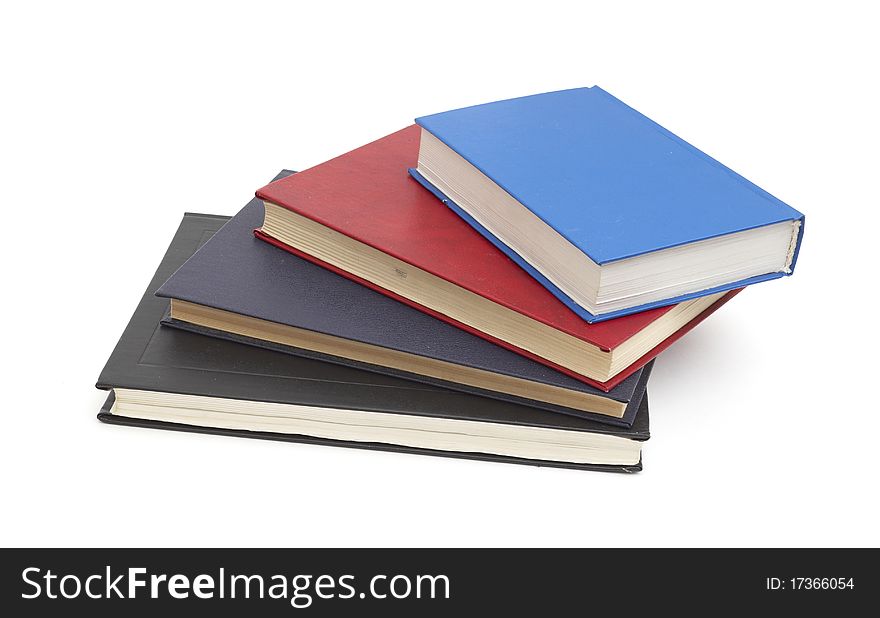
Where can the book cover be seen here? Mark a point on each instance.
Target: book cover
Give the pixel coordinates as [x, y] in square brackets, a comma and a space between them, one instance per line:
[609, 180]
[237, 273]
[367, 195]
[154, 358]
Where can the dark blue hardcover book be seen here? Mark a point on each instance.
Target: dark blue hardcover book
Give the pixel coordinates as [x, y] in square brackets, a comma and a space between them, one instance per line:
[246, 290]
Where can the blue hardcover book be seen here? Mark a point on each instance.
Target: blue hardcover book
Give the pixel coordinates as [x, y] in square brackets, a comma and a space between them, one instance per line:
[243, 289]
[607, 209]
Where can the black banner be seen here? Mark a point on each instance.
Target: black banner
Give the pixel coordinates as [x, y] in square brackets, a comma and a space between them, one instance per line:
[407, 582]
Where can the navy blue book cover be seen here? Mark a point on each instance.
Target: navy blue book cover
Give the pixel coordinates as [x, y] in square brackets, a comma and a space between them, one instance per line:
[238, 273]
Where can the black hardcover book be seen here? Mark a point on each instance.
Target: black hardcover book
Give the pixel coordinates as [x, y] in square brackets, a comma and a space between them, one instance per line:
[174, 379]
[243, 289]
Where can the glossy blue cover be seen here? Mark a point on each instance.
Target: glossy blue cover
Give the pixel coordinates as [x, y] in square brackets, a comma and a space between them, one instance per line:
[608, 179]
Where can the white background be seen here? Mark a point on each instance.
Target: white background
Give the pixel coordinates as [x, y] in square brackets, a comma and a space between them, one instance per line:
[116, 120]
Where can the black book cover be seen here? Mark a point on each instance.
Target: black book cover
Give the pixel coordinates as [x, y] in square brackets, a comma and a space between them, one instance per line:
[152, 357]
[238, 273]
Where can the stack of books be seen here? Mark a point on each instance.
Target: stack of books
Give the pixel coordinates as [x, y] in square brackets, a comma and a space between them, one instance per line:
[493, 282]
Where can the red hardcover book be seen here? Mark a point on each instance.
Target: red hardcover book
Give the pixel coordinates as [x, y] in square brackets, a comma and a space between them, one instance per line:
[362, 216]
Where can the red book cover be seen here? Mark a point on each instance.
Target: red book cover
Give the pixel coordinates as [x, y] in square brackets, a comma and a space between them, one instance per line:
[368, 195]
